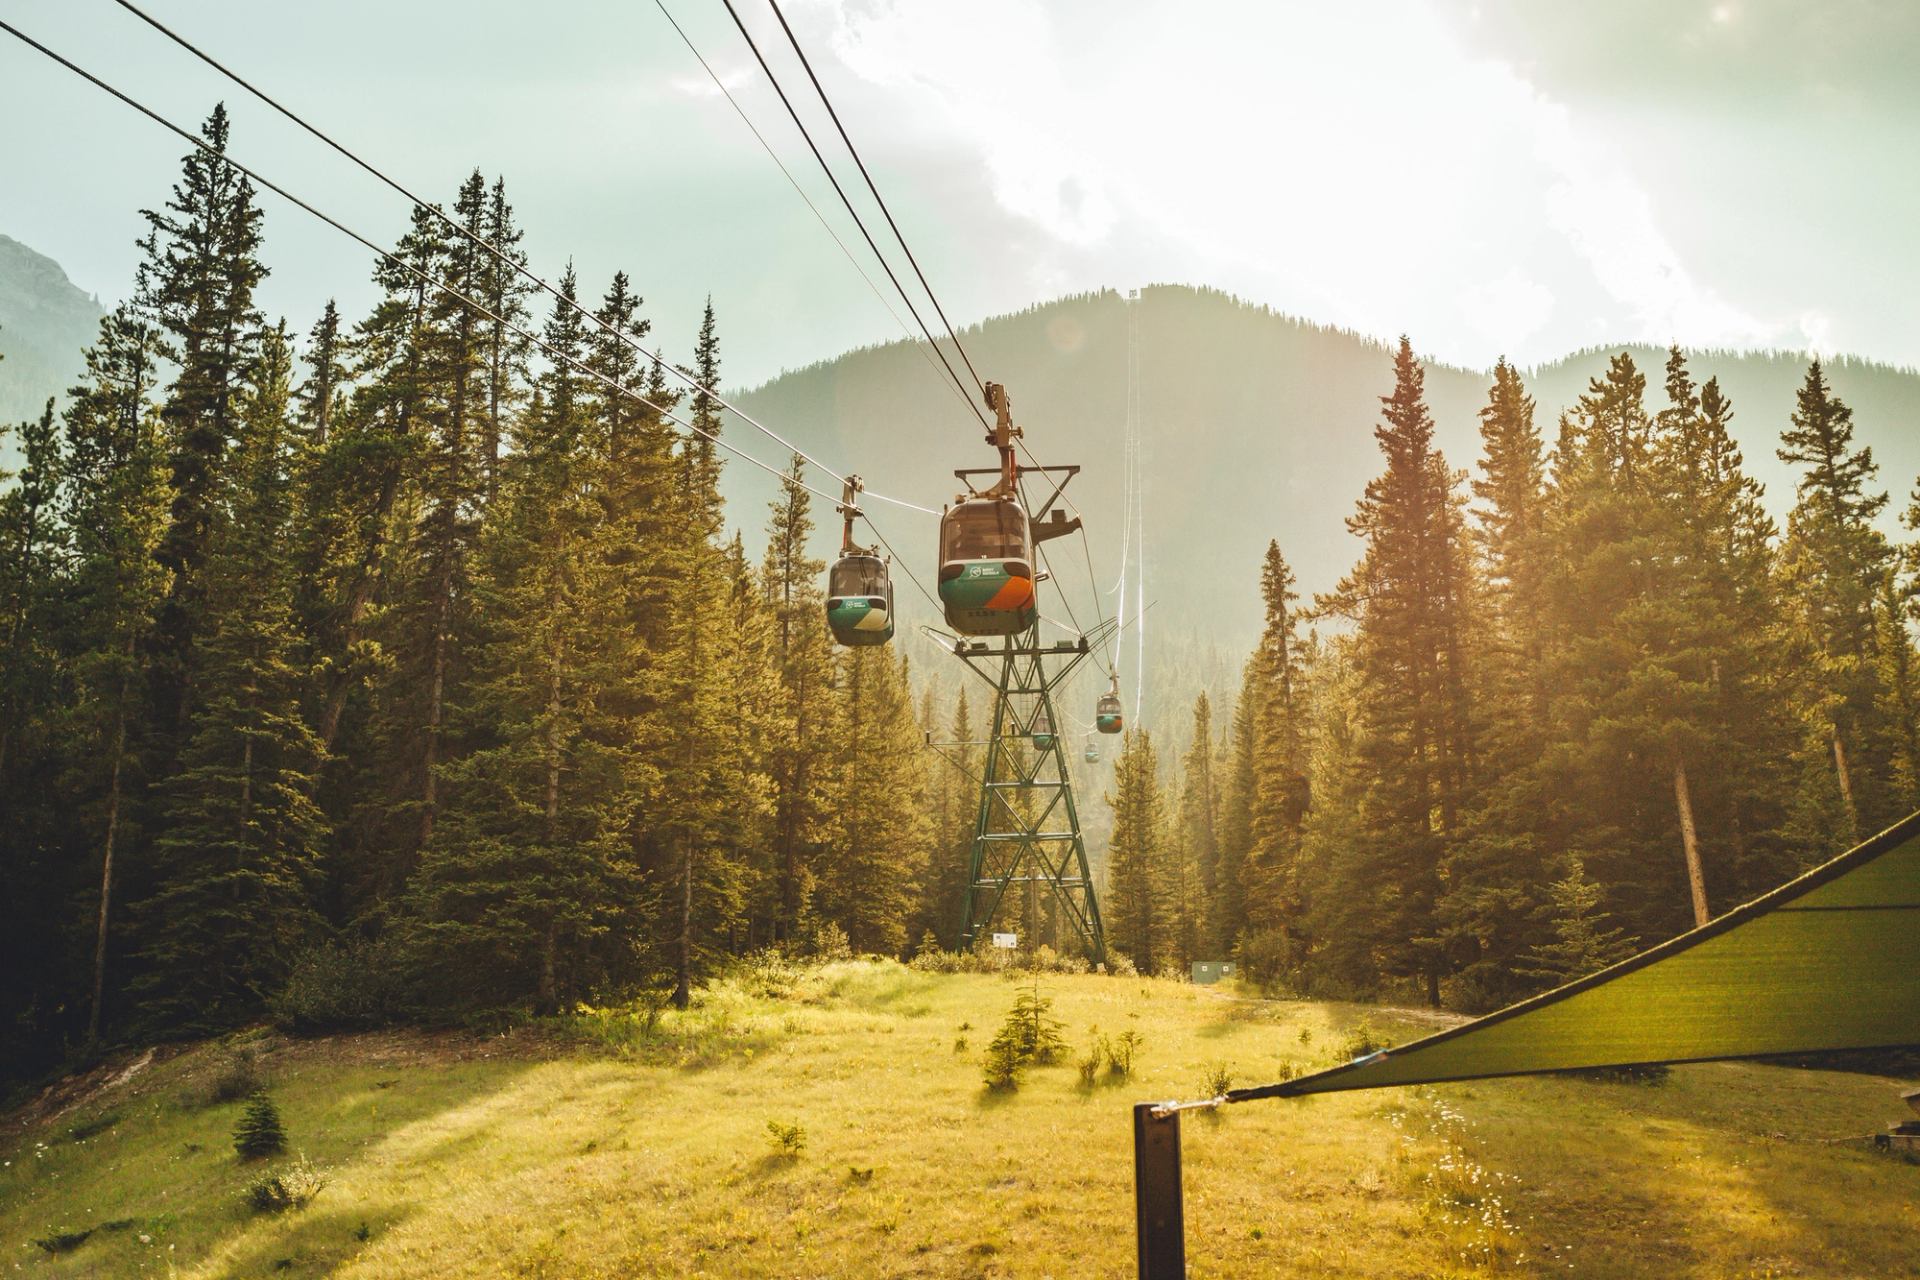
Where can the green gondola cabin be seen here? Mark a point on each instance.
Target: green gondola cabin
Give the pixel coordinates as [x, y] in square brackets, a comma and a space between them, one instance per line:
[986, 568]
[1106, 713]
[860, 601]
[1042, 730]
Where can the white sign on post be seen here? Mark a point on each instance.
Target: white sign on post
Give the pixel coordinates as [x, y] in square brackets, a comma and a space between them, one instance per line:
[1006, 941]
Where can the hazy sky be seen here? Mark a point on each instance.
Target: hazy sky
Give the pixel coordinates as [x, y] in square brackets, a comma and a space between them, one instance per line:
[1490, 177]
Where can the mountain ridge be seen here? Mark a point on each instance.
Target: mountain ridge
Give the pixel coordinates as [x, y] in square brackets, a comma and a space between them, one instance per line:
[1256, 424]
[46, 322]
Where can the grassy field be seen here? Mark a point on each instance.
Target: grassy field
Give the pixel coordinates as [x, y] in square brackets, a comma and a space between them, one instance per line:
[628, 1152]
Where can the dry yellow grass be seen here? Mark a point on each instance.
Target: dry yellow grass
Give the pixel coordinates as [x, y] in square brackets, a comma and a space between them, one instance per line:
[632, 1156]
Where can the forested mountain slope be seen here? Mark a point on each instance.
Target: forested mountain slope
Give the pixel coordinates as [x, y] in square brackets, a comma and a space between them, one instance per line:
[1256, 425]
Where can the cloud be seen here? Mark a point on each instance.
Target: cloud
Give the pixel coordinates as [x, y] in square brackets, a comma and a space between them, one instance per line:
[1359, 164]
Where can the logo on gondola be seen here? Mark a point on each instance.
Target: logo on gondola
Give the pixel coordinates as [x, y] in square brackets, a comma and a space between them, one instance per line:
[985, 571]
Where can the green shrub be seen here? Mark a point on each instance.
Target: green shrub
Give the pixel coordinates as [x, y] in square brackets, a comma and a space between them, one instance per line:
[1266, 958]
[349, 984]
[1120, 1054]
[289, 1188]
[259, 1133]
[1217, 1079]
[1096, 1057]
[1036, 1030]
[1004, 1061]
[830, 943]
[788, 1140]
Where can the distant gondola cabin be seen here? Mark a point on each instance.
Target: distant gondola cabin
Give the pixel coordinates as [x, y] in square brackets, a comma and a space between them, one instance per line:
[1042, 730]
[860, 601]
[986, 568]
[1093, 753]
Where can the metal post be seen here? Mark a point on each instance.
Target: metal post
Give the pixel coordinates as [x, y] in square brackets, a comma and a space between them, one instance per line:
[1161, 1222]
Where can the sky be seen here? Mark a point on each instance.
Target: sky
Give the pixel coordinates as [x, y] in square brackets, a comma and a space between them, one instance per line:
[1500, 177]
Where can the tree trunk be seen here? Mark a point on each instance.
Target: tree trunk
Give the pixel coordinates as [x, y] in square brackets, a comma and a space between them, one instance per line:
[1846, 787]
[548, 996]
[683, 959]
[106, 860]
[1690, 838]
[436, 704]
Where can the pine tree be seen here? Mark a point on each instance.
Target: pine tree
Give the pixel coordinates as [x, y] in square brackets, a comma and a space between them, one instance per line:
[1581, 944]
[242, 834]
[877, 825]
[1832, 562]
[1494, 876]
[319, 395]
[260, 1132]
[1236, 814]
[32, 559]
[1137, 863]
[1280, 788]
[528, 890]
[1409, 597]
[955, 813]
[1199, 831]
[115, 501]
[504, 290]
[790, 583]
[713, 794]
[201, 265]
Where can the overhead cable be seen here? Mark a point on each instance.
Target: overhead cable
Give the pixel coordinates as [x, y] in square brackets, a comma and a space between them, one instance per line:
[202, 145]
[851, 211]
[499, 255]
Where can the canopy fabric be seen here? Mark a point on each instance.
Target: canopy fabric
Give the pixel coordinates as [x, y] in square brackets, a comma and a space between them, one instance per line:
[1828, 961]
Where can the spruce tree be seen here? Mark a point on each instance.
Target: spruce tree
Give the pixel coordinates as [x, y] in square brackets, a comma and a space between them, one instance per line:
[199, 269]
[1409, 599]
[1280, 796]
[790, 583]
[1236, 813]
[259, 1133]
[241, 837]
[115, 501]
[32, 561]
[1199, 829]
[1832, 562]
[1137, 862]
[1494, 876]
[528, 890]
[1581, 943]
[877, 823]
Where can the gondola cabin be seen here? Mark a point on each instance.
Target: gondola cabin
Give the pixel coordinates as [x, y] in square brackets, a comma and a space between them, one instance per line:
[1106, 713]
[860, 601]
[1042, 730]
[986, 568]
[1093, 752]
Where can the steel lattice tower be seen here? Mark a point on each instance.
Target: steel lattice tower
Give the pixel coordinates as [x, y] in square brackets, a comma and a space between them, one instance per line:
[1027, 830]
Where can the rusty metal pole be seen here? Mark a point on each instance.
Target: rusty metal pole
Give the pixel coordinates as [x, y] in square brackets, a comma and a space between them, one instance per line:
[1160, 1220]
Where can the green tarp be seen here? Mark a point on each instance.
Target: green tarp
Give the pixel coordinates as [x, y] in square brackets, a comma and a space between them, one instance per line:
[1829, 961]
